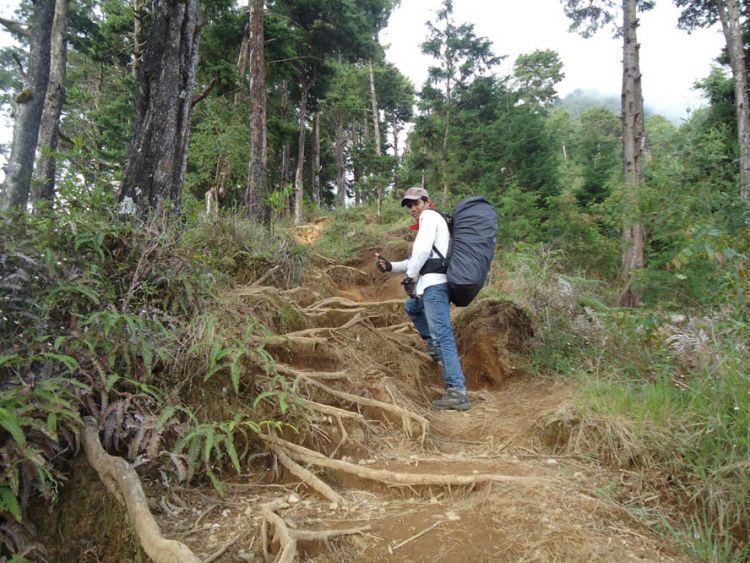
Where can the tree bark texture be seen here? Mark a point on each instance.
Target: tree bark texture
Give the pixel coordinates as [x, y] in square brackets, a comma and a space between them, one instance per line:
[29, 104]
[285, 150]
[339, 143]
[446, 131]
[224, 169]
[316, 160]
[357, 142]
[137, 36]
[396, 131]
[376, 132]
[158, 152]
[729, 14]
[632, 116]
[300, 173]
[43, 178]
[255, 196]
[375, 113]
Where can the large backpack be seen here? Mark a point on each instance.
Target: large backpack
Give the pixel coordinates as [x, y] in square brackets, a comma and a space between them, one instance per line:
[473, 232]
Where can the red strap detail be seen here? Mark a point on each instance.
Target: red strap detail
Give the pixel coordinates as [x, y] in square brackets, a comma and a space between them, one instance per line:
[414, 227]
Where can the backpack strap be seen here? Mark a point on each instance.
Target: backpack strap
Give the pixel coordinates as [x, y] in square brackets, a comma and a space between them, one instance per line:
[439, 265]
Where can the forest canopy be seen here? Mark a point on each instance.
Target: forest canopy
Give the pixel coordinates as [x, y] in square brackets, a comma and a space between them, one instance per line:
[163, 152]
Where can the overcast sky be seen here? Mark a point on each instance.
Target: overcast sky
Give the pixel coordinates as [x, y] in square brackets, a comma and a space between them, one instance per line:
[671, 60]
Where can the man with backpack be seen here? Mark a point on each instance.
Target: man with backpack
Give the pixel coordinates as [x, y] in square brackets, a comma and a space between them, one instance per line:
[428, 301]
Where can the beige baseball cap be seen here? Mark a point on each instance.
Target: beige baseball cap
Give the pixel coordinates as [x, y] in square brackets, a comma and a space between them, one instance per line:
[414, 193]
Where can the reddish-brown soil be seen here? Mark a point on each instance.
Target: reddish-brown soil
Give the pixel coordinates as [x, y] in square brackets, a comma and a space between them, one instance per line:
[562, 513]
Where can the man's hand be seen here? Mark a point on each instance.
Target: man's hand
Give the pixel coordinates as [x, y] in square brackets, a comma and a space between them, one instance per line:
[382, 264]
[410, 286]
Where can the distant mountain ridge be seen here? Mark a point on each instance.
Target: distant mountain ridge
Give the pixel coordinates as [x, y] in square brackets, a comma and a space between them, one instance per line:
[580, 100]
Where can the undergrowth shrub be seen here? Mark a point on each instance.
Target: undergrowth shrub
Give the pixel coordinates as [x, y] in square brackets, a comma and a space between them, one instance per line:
[347, 235]
[234, 248]
[95, 320]
[661, 390]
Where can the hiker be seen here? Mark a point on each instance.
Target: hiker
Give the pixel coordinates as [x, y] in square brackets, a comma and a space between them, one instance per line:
[426, 285]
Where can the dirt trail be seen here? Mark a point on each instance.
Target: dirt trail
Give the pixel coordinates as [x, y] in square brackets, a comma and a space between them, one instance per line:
[525, 505]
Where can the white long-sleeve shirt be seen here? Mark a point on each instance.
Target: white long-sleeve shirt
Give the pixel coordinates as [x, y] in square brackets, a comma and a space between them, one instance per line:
[433, 231]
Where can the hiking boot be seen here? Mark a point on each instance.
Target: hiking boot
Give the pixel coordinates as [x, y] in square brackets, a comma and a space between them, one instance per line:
[453, 400]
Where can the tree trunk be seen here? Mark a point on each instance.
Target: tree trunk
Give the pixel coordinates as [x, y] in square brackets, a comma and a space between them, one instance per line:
[224, 169]
[632, 116]
[339, 142]
[137, 36]
[356, 167]
[396, 131]
[255, 196]
[375, 113]
[158, 152]
[729, 14]
[285, 157]
[316, 160]
[29, 105]
[446, 131]
[43, 183]
[376, 132]
[299, 175]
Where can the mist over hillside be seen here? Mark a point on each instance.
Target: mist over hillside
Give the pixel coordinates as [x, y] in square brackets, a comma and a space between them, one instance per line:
[579, 100]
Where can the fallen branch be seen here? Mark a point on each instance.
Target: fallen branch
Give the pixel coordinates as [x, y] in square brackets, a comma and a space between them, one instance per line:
[415, 536]
[222, 550]
[306, 455]
[122, 481]
[395, 409]
[308, 478]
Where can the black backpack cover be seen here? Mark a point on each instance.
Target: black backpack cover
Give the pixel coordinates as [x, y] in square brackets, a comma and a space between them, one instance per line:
[473, 234]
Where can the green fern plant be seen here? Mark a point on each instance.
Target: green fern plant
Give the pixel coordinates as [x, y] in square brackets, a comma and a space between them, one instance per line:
[208, 445]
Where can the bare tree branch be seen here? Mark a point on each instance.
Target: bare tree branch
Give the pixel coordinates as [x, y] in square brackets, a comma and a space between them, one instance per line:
[206, 91]
[15, 27]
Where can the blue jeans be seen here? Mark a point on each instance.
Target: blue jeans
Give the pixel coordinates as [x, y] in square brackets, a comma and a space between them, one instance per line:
[431, 315]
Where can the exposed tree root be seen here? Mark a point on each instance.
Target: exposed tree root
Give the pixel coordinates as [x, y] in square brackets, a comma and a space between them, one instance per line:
[397, 328]
[333, 411]
[288, 538]
[294, 372]
[252, 289]
[364, 401]
[391, 337]
[344, 302]
[311, 332]
[337, 413]
[333, 311]
[296, 343]
[342, 267]
[308, 477]
[122, 481]
[306, 455]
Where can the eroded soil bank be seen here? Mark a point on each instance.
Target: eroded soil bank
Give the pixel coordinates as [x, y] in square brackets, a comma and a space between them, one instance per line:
[479, 486]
